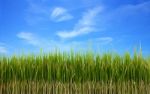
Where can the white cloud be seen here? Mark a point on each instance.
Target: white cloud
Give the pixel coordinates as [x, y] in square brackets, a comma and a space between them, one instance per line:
[36, 12]
[58, 11]
[84, 26]
[85, 44]
[127, 12]
[28, 37]
[3, 50]
[45, 44]
[60, 14]
[36, 41]
[74, 33]
[104, 40]
[51, 45]
[144, 6]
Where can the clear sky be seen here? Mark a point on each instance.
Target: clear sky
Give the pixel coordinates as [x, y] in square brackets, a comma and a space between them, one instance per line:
[105, 25]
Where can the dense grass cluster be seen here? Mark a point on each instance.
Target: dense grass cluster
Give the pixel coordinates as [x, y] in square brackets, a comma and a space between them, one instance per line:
[75, 68]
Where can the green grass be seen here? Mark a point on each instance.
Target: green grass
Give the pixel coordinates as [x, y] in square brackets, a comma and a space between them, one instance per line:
[75, 68]
[75, 73]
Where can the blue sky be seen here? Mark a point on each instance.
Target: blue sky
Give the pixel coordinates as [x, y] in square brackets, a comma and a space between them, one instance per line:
[105, 25]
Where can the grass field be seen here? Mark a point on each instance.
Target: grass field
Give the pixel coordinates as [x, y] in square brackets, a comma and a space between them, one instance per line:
[75, 73]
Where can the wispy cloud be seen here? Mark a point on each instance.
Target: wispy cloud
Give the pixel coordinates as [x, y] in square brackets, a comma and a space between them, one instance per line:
[85, 44]
[50, 45]
[45, 44]
[85, 25]
[36, 41]
[40, 12]
[127, 12]
[29, 38]
[36, 12]
[60, 14]
[144, 6]
[3, 49]
[104, 40]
